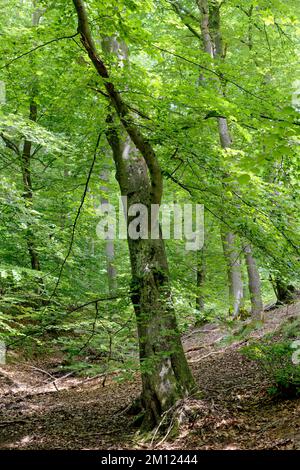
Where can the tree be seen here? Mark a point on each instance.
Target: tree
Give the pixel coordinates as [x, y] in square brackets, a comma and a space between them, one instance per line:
[165, 374]
[25, 156]
[213, 45]
[254, 282]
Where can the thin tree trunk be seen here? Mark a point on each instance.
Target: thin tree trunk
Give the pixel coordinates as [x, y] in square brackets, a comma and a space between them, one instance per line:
[234, 273]
[253, 282]
[213, 45]
[166, 376]
[200, 280]
[200, 283]
[28, 193]
[26, 164]
[109, 244]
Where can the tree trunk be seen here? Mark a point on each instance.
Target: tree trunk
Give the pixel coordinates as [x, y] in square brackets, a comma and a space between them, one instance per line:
[28, 193]
[165, 374]
[200, 283]
[109, 244]
[212, 42]
[26, 164]
[284, 292]
[253, 282]
[200, 280]
[213, 45]
[235, 280]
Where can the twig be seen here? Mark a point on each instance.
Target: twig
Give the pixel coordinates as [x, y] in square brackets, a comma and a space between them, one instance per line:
[89, 379]
[77, 215]
[207, 355]
[36, 48]
[167, 433]
[101, 299]
[14, 421]
[93, 329]
[44, 372]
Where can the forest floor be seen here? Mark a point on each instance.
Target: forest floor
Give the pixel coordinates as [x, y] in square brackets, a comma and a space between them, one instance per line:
[40, 411]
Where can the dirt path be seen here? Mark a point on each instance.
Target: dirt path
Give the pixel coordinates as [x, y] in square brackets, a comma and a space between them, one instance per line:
[83, 417]
[235, 411]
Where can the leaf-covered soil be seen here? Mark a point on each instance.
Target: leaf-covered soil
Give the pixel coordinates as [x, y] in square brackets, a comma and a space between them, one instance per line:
[40, 411]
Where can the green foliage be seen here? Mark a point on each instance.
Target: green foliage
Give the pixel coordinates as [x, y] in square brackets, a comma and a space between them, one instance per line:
[291, 329]
[276, 359]
[255, 183]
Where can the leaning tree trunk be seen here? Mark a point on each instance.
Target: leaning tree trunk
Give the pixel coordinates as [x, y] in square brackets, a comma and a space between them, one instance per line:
[253, 282]
[166, 376]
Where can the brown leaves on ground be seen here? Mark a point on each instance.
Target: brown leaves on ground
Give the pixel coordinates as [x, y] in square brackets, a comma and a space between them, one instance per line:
[235, 411]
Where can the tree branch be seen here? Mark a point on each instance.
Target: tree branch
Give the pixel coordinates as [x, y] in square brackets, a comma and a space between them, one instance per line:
[122, 109]
[178, 10]
[36, 48]
[10, 144]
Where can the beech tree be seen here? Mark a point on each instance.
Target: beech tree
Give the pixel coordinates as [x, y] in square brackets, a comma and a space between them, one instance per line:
[165, 373]
[213, 45]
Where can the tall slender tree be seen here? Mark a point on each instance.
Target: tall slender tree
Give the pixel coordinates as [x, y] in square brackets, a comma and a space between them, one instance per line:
[210, 25]
[25, 156]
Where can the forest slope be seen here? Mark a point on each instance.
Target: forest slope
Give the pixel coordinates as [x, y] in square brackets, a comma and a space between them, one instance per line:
[235, 412]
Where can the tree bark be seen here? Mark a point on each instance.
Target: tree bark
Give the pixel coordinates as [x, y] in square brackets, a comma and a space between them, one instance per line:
[109, 245]
[234, 273]
[165, 374]
[28, 193]
[253, 282]
[285, 293]
[213, 45]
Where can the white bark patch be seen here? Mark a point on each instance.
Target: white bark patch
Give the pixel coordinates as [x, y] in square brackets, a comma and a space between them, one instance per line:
[165, 383]
[147, 268]
[238, 300]
[126, 150]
